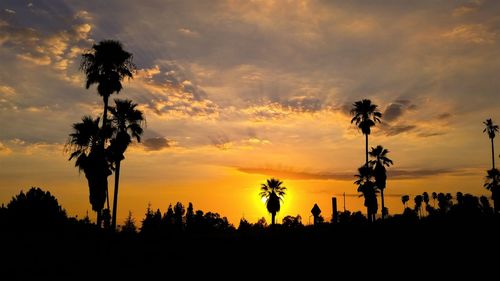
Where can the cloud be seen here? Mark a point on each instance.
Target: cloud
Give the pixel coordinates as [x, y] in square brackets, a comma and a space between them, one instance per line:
[396, 174]
[4, 150]
[155, 144]
[472, 33]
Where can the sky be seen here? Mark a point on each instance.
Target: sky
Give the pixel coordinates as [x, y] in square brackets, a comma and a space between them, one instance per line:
[236, 92]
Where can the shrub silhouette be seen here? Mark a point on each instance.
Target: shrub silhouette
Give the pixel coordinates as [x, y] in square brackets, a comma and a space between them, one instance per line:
[35, 209]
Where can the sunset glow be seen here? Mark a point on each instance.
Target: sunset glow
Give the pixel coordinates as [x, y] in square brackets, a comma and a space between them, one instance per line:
[237, 92]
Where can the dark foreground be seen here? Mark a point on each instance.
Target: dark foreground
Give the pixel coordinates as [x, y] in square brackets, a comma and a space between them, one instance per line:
[381, 249]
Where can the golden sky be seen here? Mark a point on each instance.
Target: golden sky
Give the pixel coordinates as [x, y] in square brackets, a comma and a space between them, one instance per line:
[235, 92]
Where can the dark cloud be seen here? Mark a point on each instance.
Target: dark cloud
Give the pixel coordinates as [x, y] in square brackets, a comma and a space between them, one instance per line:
[397, 129]
[155, 144]
[444, 116]
[397, 109]
[399, 174]
[221, 141]
[393, 112]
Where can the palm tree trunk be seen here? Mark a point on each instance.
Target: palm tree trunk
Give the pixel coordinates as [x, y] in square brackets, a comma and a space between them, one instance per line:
[366, 149]
[105, 99]
[115, 196]
[99, 219]
[273, 218]
[382, 201]
[492, 153]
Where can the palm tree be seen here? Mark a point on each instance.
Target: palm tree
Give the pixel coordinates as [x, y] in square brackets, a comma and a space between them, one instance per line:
[366, 186]
[404, 199]
[106, 65]
[491, 129]
[492, 183]
[127, 120]
[84, 146]
[381, 160]
[418, 204]
[365, 116]
[273, 192]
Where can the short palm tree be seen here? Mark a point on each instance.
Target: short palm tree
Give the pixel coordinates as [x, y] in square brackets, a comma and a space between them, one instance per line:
[492, 183]
[378, 164]
[404, 200]
[273, 192]
[365, 116]
[366, 186]
[84, 146]
[127, 121]
[491, 129]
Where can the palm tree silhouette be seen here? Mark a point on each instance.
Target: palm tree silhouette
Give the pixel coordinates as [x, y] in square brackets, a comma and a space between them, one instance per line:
[365, 116]
[366, 186]
[127, 121]
[273, 192]
[492, 183]
[404, 199]
[491, 129]
[381, 160]
[106, 65]
[84, 145]
[434, 197]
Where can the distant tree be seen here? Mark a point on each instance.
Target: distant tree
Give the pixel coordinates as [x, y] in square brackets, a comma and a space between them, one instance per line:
[434, 197]
[379, 163]
[366, 186]
[189, 215]
[261, 223]
[129, 224]
[151, 222]
[127, 121]
[425, 198]
[460, 198]
[404, 199]
[418, 204]
[244, 225]
[491, 129]
[485, 205]
[179, 211]
[492, 183]
[35, 209]
[292, 222]
[273, 192]
[365, 116]
[444, 202]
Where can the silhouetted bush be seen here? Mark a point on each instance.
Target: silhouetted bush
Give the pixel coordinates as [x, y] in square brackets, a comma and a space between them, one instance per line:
[35, 209]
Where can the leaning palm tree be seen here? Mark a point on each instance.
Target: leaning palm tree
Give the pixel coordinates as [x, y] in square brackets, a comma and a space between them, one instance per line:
[492, 183]
[273, 192]
[84, 146]
[491, 129]
[366, 186]
[127, 121]
[106, 65]
[378, 164]
[365, 116]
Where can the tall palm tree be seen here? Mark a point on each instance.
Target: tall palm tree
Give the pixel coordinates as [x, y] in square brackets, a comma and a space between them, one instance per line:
[365, 116]
[84, 146]
[128, 123]
[366, 186]
[491, 129]
[106, 65]
[492, 183]
[378, 164]
[273, 192]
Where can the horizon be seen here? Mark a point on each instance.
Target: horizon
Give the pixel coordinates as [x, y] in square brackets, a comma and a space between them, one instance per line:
[235, 93]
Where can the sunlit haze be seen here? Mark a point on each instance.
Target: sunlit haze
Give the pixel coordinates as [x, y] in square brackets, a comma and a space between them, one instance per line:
[237, 92]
